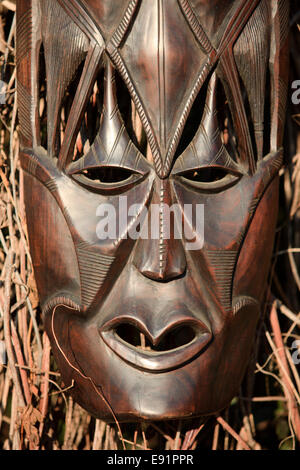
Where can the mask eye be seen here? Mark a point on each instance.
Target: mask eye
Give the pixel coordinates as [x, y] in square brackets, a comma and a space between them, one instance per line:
[209, 178]
[206, 175]
[107, 178]
[107, 174]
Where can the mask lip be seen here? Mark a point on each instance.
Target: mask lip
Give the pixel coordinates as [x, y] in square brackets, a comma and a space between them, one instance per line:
[157, 361]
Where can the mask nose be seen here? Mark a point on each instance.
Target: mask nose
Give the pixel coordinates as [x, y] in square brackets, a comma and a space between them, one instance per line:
[160, 255]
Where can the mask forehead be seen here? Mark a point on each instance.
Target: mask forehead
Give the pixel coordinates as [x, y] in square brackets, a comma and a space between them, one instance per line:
[213, 15]
[165, 72]
[164, 68]
[107, 13]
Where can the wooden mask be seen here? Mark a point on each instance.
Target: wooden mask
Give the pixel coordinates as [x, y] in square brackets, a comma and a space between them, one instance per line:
[129, 109]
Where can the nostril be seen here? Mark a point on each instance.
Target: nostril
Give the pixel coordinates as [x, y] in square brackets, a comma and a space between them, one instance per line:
[174, 338]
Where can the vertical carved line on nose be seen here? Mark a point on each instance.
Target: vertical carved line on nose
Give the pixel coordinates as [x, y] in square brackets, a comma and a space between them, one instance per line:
[162, 241]
[161, 257]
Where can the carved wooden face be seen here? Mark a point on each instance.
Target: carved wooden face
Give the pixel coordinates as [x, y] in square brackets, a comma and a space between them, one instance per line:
[126, 110]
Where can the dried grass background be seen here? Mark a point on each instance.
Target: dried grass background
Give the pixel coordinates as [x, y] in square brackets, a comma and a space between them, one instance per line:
[37, 414]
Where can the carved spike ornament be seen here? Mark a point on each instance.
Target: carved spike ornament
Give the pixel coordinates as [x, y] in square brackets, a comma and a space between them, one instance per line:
[151, 139]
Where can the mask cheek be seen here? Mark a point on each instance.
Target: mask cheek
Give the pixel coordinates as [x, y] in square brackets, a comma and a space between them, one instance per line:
[51, 245]
[256, 251]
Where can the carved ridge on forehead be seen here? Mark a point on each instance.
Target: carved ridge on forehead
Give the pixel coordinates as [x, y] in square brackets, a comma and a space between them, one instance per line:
[112, 144]
[25, 106]
[159, 126]
[87, 79]
[232, 30]
[110, 15]
[24, 44]
[228, 67]
[122, 69]
[162, 169]
[92, 63]
[251, 50]
[61, 62]
[216, 16]
[83, 20]
[279, 70]
[207, 147]
[24, 34]
[123, 26]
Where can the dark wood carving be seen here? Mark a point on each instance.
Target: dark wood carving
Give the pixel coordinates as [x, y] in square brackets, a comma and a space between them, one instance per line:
[153, 103]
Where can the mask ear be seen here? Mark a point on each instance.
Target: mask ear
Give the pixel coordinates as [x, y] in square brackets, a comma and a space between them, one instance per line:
[50, 251]
[250, 278]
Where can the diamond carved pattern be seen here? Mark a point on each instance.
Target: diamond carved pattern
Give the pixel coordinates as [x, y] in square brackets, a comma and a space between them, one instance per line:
[159, 64]
[108, 13]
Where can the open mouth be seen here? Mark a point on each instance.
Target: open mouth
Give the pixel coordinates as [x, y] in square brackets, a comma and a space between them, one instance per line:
[177, 345]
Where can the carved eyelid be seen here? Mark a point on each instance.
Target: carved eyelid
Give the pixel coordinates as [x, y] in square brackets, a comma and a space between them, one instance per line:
[142, 168]
[179, 168]
[107, 187]
[219, 180]
[108, 182]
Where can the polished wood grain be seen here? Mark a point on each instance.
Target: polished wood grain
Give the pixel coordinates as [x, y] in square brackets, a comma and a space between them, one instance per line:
[157, 103]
